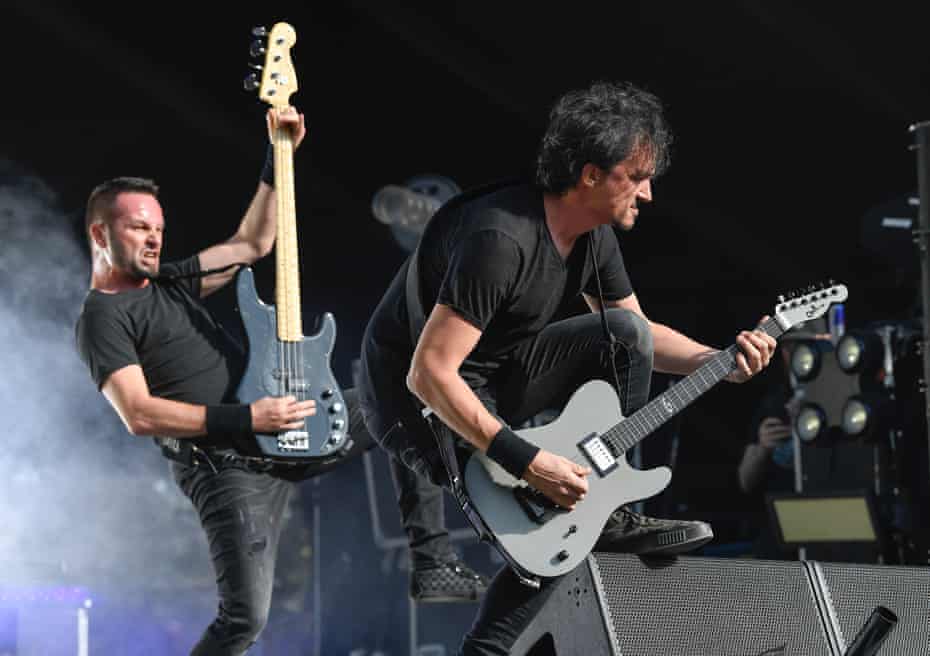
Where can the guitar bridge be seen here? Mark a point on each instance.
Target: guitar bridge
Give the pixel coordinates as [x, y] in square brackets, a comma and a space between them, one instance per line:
[295, 440]
[598, 454]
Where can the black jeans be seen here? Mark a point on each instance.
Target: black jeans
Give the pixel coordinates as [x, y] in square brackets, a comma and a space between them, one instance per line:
[241, 512]
[542, 374]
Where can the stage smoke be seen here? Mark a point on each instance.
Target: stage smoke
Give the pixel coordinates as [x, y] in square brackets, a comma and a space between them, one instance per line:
[84, 503]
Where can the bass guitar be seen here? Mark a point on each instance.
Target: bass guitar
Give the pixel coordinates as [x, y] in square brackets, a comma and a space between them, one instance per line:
[540, 539]
[282, 361]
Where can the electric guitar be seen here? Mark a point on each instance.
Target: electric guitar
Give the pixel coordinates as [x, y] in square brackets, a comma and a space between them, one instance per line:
[282, 361]
[540, 539]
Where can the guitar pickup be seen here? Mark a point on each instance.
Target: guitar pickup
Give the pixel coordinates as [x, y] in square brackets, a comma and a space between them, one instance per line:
[535, 504]
[598, 454]
[294, 440]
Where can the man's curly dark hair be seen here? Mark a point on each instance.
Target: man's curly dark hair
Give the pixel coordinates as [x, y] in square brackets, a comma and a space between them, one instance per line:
[602, 124]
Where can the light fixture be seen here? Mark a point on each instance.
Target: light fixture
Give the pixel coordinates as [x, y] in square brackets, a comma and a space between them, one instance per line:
[849, 352]
[811, 422]
[857, 352]
[805, 360]
[856, 417]
[408, 208]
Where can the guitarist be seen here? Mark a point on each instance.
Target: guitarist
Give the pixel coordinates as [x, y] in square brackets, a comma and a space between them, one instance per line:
[493, 268]
[169, 370]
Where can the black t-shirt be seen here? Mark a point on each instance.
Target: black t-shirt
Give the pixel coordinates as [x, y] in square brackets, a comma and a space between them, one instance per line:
[164, 329]
[489, 256]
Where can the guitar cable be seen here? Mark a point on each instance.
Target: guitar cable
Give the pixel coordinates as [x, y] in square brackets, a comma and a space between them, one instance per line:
[611, 339]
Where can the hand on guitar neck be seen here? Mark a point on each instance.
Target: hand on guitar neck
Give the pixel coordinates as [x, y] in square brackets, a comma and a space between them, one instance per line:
[286, 118]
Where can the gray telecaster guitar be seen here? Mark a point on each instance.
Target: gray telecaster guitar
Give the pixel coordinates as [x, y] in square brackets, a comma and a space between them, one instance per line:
[282, 361]
[538, 538]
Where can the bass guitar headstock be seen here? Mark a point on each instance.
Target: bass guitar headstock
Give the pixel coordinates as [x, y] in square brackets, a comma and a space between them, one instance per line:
[275, 79]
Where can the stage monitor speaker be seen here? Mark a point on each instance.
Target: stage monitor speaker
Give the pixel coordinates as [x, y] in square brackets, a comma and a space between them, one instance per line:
[727, 607]
[730, 607]
[857, 589]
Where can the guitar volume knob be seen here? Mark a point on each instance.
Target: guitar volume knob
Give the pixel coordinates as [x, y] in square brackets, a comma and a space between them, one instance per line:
[327, 393]
[336, 408]
[338, 424]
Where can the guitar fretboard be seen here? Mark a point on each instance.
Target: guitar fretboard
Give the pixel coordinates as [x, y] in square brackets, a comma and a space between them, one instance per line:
[287, 279]
[625, 435]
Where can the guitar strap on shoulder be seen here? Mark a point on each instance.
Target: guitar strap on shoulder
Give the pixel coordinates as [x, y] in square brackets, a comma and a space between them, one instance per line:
[609, 337]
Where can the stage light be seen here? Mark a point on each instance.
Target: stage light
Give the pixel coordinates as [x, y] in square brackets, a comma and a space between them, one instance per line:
[856, 417]
[858, 352]
[849, 353]
[811, 422]
[408, 208]
[805, 361]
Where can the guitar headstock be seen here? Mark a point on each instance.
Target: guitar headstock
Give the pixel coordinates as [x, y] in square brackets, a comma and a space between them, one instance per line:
[807, 304]
[278, 77]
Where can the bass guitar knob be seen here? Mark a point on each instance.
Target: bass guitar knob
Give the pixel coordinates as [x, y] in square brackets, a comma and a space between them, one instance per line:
[338, 424]
[327, 393]
[335, 408]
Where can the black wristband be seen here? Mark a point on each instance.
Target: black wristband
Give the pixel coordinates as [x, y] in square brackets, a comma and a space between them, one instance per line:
[268, 169]
[230, 420]
[511, 452]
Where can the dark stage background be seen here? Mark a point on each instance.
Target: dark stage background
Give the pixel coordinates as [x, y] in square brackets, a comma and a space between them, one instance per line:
[790, 120]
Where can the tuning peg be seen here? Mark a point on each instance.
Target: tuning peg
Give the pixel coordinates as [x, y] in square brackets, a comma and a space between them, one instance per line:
[256, 67]
[259, 31]
[251, 82]
[257, 49]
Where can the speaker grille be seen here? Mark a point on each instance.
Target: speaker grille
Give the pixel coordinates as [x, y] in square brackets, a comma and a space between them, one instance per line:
[858, 589]
[710, 607]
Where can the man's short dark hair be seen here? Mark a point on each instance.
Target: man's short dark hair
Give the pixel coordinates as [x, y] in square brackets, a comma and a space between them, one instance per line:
[103, 195]
[602, 125]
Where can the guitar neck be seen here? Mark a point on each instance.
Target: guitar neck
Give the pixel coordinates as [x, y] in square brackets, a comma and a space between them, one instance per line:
[287, 277]
[629, 432]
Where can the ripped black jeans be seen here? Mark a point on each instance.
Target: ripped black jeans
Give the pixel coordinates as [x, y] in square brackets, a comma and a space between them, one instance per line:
[241, 512]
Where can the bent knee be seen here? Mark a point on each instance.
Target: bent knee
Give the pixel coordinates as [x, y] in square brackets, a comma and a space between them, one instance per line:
[632, 330]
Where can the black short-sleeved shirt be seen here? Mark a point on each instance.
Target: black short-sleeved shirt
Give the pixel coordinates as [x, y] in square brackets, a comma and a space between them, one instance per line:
[489, 256]
[164, 329]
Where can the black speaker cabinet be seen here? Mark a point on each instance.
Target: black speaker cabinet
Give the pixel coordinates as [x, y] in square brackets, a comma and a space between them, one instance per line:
[729, 607]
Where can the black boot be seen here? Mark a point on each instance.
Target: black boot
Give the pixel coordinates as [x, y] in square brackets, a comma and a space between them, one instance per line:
[631, 532]
[446, 581]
